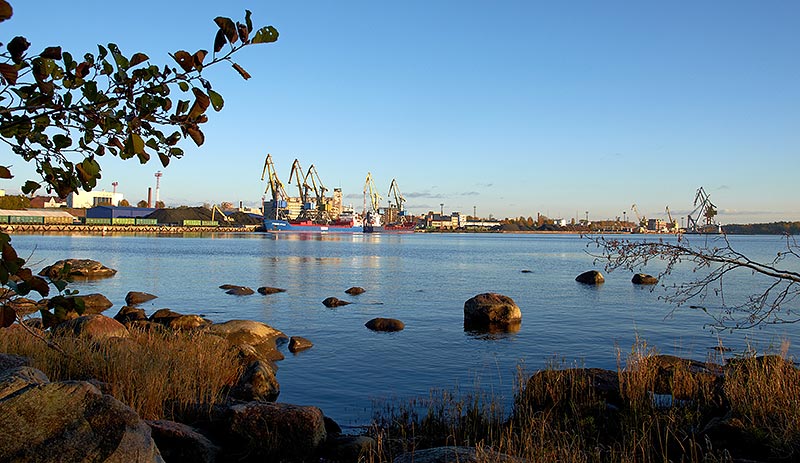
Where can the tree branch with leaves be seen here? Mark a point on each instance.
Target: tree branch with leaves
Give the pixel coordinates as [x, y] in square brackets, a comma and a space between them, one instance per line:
[64, 112]
[711, 263]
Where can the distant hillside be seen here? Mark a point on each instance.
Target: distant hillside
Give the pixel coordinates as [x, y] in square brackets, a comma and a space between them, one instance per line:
[774, 228]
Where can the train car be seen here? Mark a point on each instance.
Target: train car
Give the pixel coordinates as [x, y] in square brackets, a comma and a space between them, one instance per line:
[192, 223]
[123, 221]
[97, 220]
[144, 221]
[209, 223]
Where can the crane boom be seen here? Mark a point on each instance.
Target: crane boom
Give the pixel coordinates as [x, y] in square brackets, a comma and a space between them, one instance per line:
[296, 175]
[394, 191]
[372, 193]
[274, 187]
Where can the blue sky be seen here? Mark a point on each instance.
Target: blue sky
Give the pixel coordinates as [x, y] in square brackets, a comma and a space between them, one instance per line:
[513, 107]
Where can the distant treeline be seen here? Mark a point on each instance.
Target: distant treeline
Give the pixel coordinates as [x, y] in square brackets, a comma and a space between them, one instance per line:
[774, 228]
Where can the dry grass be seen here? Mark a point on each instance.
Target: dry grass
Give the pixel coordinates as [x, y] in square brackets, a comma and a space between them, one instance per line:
[158, 374]
[653, 408]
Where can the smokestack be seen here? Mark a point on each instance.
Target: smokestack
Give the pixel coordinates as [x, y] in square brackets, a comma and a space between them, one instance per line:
[149, 196]
[240, 205]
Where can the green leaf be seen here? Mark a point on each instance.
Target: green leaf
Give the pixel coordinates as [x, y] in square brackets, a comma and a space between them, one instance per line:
[266, 34]
[102, 52]
[5, 172]
[164, 159]
[183, 86]
[228, 27]
[216, 100]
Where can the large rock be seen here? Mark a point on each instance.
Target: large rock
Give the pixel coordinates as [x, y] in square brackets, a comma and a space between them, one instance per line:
[24, 306]
[299, 343]
[355, 291]
[265, 290]
[491, 309]
[86, 268]
[16, 379]
[275, 431]
[261, 336]
[573, 387]
[164, 316]
[455, 455]
[137, 297]
[188, 322]
[181, 443]
[334, 302]
[8, 361]
[257, 383]
[240, 291]
[94, 303]
[592, 277]
[71, 421]
[644, 279]
[128, 314]
[94, 327]
[385, 324]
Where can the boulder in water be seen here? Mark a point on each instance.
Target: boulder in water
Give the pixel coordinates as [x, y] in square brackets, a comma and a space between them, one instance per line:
[385, 324]
[644, 279]
[491, 309]
[592, 277]
[334, 302]
[85, 268]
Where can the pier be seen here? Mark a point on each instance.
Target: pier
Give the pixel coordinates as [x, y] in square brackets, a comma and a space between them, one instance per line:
[104, 229]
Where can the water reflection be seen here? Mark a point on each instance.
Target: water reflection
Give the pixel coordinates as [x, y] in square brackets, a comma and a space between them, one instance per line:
[492, 331]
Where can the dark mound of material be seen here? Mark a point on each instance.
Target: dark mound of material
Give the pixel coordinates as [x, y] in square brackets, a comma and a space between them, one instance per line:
[179, 214]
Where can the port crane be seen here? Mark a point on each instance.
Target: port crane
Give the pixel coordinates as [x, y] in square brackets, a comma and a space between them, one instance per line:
[642, 219]
[312, 182]
[673, 225]
[297, 176]
[372, 193]
[394, 191]
[701, 219]
[275, 188]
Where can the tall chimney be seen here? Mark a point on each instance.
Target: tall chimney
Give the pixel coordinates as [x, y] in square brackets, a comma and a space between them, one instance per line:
[149, 196]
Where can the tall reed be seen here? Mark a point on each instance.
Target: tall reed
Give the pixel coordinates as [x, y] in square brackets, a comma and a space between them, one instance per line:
[156, 373]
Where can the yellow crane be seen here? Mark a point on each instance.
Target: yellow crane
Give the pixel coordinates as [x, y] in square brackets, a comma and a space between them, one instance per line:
[312, 182]
[275, 188]
[297, 176]
[394, 191]
[371, 192]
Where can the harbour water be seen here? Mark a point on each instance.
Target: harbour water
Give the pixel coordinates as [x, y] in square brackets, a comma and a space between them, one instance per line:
[423, 280]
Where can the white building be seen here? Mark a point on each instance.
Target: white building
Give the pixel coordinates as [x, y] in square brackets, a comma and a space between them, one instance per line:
[86, 199]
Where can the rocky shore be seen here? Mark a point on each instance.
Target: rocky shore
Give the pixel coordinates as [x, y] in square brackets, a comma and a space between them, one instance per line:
[90, 418]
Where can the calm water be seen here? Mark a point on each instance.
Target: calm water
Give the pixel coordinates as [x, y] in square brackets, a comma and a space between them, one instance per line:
[421, 279]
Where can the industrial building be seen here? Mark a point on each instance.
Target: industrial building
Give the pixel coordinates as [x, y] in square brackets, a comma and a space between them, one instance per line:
[87, 199]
